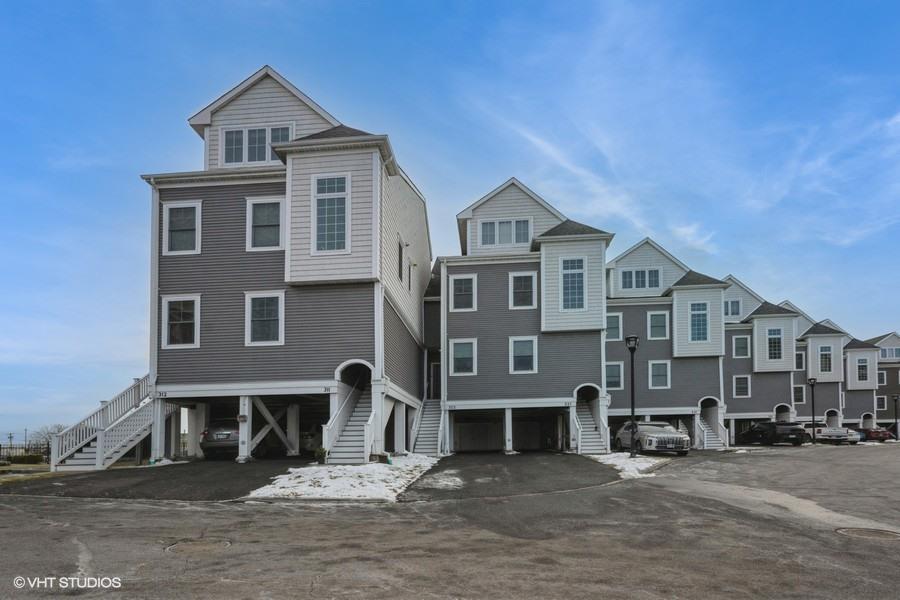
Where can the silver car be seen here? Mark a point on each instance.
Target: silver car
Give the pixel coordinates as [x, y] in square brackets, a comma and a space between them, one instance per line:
[652, 436]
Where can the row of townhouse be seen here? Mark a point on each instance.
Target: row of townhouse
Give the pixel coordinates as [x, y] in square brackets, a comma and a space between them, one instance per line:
[293, 288]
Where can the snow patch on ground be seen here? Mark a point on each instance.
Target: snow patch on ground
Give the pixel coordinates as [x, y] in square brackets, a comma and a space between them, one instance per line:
[445, 480]
[742, 451]
[629, 468]
[164, 462]
[372, 481]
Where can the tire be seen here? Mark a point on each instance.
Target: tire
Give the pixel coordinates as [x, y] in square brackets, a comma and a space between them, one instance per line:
[617, 445]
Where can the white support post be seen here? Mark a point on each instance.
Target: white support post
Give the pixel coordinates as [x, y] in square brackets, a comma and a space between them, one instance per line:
[731, 430]
[293, 429]
[378, 421]
[54, 452]
[399, 428]
[573, 428]
[99, 457]
[245, 428]
[196, 424]
[175, 433]
[158, 430]
[507, 430]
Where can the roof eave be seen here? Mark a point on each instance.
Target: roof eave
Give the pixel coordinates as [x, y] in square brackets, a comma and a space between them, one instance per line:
[348, 143]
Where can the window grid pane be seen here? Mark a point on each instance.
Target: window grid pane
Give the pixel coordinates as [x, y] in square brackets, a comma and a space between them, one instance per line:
[181, 322]
[488, 234]
[264, 319]
[523, 355]
[234, 146]
[182, 228]
[278, 135]
[256, 145]
[653, 278]
[699, 323]
[613, 327]
[658, 327]
[862, 370]
[741, 347]
[265, 225]
[573, 283]
[825, 359]
[463, 357]
[331, 224]
[741, 386]
[627, 280]
[463, 296]
[523, 290]
[522, 232]
[640, 279]
[614, 376]
[660, 374]
[774, 344]
[504, 229]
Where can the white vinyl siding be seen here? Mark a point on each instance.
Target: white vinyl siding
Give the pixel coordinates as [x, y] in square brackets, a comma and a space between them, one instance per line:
[685, 321]
[815, 360]
[747, 303]
[510, 204]
[592, 316]
[860, 361]
[761, 360]
[644, 258]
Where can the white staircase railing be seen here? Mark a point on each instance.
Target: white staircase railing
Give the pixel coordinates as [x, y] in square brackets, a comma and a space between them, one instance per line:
[442, 443]
[414, 432]
[577, 422]
[368, 436]
[722, 432]
[69, 440]
[331, 431]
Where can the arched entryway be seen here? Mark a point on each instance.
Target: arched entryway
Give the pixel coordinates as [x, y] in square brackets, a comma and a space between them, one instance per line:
[783, 413]
[832, 418]
[589, 418]
[867, 421]
[709, 410]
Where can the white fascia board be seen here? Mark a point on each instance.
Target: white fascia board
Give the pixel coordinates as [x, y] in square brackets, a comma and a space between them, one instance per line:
[655, 245]
[466, 213]
[734, 280]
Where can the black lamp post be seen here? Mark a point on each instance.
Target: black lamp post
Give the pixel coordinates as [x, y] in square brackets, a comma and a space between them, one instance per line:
[631, 342]
[895, 398]
[812, 395]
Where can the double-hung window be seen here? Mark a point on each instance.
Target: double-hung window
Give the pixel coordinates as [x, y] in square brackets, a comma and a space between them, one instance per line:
[657, 325]
[627, 280]
[571, 289]
[181, 228]
[659, 374]
[741, 386]
[699, 322]
[880, 402]
[464, 357]
[252, 145]
[882, 377]
[740, 346]
[653, 278]
[256, 145]
[640, 279]
[774, 343]
[264, 318]
[732, 308]
[181, 321]
[523, 355]
[463, 293]
[613, 327]
[522, 290]
[825, 362]
[862, 369]
[505, 232]
[799, 361]
[799, 394]
[278, 135]
[264, 224]
[331, 206]
[234, 146]
[614, 379]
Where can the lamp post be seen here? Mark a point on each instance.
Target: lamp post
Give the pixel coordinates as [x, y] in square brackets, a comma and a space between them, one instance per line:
[896, 398]
[812, 395]
[631, 342]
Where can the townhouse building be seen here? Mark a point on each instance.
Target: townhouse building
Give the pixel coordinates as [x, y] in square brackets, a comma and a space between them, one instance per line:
[293, 288]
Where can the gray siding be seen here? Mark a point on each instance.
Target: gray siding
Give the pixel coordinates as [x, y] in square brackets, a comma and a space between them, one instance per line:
[828, 396]
[857, 402]
[324, 325]
[891, 387]
[565, 360]
[767, 390]
[402, 355]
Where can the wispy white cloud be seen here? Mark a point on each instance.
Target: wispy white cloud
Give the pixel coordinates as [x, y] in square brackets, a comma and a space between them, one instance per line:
[692, 236]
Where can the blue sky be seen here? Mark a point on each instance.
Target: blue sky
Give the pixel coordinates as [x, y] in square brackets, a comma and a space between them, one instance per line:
[754, 138]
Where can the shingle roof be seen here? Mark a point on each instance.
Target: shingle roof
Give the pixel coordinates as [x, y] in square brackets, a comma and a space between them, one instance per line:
[856, 344]
[570, 227]
[769, 309]
[695, 278]
[339, 131]
[821, 329]
[878, 338]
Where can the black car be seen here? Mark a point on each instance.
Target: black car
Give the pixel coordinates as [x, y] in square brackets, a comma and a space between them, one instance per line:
[772, 433]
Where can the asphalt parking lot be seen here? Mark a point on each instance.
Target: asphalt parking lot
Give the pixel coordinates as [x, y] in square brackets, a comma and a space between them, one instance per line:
[712, 525]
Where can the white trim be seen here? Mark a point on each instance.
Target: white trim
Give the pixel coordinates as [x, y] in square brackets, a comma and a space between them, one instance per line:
[376, 214]
[154, 336]
[621, 365]
[313, 218]
[288, 217]
[534, 350]
[584, 283]
[734, 393]
[534, 291]
[497, 244]
[668, 410]
[164, 336]
[474, 278]
[248, 303]
[652, 244]
[649, 328]
[451, 344]
[730, 300]
[466, 213]
[621, 327]
[268, 126]
[249, 388]
[399, 394]
[796, 352]
[691, 304]
[881, 378]
[859, 361]
[509, 403]
[876, 403]
[780, 337]
[467, 260]
[251, 201]
[378, 321]
[668, 385]
[749, 339]
[793, 399]
[820, 353]
[646, 272]
[544, 303]
[641, 300]
[198, 225]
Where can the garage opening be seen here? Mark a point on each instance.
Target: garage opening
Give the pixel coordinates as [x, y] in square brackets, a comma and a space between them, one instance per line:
[783, 413]
[478, 430]
[539, 428]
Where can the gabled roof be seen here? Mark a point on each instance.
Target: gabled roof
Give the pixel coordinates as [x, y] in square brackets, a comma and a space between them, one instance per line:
[466, 213]
[693, 278]
[653, 244]
[767, 309]
[821, 329]
[338, 131]
[204, 116]
[856, 344]
[880, 338]
[570, 227]
[735, 281]
[834, 325]
[791, 306]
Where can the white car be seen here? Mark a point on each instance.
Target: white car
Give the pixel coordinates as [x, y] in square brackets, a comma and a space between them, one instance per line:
[652, 436]
[829, 435]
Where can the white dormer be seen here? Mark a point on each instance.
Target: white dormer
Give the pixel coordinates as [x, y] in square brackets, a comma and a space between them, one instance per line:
[645, 269]
[824, 353]
[739, 300]
[862, 365]
[240, 127]
[505, 221]
[803, 320]
[889, 347]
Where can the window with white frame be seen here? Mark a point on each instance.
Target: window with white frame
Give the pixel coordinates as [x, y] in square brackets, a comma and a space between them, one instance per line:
[741, 386]
[571, 284]
[799, 361]
[464, 357]
[523, 355]
[893, 352]
[264, 224]
[522, 290]
[463, 293]
[181, 321]
[181, 228]
[331, 227]
[880, 402]
[740, 346]
[613, 327]
[862, 369]
[627, 280]
[699, 322]
[732, 308]
[659, 374]
[505, 232]
[264, 318]
[799, 394]
[882, 377]
[640, 279]
[825, 362]
[614, 376]
[774, 343]
[252, 145]
[658, 325]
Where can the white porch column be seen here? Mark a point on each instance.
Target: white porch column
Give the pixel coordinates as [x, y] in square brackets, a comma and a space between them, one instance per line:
[731, 430]
[158, 430]
[245, 428]
[196, 425]
[573, 428]
[605, 401]
[293, 429]
[399, 428]
[507, 430]
[380, 418]
[175, 433]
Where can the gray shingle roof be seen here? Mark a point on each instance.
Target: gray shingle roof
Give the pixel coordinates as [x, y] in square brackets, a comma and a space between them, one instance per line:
[878, 338]
[338, 131]
[570, 227]
[695, 278]
[821, 329]
[856, 344]
[769, 309]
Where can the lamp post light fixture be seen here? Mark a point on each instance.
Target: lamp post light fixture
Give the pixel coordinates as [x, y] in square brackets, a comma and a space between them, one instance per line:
[812, 395]
[631, 342]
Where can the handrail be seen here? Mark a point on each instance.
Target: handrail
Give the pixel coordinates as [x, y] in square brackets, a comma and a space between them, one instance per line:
[330, 432]
[440, 440]
[112, 440]
[368, 437]
[69, 440]
[723, 434]
[577, 422]
[414, 432]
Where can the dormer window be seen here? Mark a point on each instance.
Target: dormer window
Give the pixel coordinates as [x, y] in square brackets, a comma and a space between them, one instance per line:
[252, 145]
[505, 232]
[640, 279]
